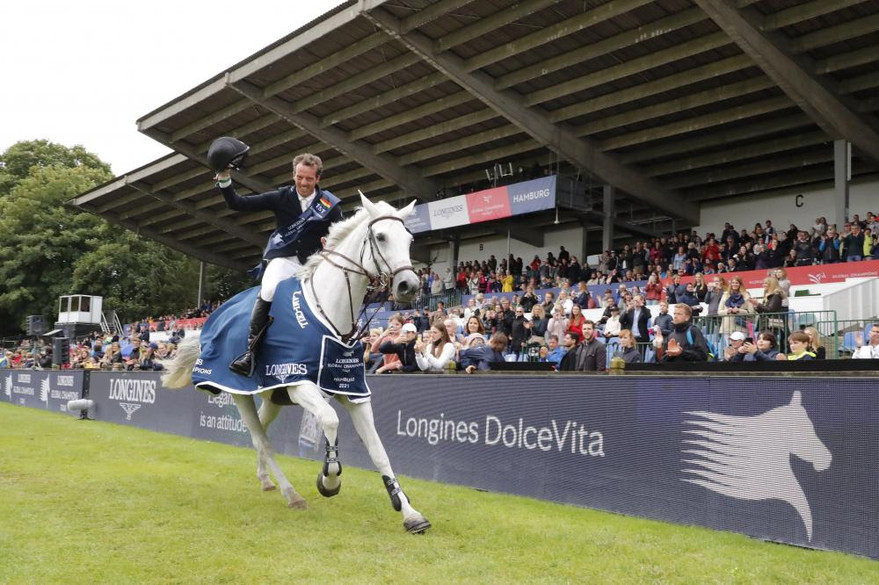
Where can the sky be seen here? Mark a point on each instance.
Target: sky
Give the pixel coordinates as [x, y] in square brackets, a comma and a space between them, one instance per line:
[83, 72]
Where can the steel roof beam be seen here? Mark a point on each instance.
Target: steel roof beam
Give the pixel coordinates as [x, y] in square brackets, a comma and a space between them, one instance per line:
[816, 96]
[384, 165]
[533, 121]
[189, 209]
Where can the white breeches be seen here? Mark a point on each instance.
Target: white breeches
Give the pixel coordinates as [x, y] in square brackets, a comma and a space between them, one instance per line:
[278, 269]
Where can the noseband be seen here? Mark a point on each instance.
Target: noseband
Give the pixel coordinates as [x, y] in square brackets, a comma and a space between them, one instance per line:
[384, 276]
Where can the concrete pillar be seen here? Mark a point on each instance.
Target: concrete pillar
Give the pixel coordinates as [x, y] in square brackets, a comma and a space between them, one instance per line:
[840, 183]
[454, 246]
[607, 232]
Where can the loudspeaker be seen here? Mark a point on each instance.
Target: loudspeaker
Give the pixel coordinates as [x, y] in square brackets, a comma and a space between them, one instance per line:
[60, 351]
[35, 325]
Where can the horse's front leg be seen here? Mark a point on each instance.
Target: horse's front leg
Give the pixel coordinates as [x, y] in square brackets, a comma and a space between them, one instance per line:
[247, 410]
[268, 412]
[364, 423]
[309, 397]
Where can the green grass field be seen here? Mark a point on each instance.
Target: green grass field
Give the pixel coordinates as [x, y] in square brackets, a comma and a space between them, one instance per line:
[90, 502]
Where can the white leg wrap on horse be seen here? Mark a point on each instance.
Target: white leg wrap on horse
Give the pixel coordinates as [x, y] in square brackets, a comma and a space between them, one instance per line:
[364, 423]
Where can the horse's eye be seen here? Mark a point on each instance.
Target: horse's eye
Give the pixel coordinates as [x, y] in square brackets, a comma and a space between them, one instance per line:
[380, 237]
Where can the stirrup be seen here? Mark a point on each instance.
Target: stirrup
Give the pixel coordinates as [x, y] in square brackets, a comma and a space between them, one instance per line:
[239, 368]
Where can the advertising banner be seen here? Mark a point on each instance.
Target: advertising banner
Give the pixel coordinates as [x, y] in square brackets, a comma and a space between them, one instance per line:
[487, 205]
[419, 221]
[139, 399]
[531, 196]
[45, 389]
[788, 460]
[447, 213]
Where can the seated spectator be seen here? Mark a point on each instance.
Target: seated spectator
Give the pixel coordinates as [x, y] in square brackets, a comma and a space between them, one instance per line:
[481, 357]
[685, 343]
[147, 360]
[869, 351]
[404, 348]
[371, 359]
[815, 344]
[735, 352]
[588, 356]
[112, 357]
[555, 352]
[628, 351]
[474, 333]
[613, 327]
[799, 348]
[438, 353]
[765, 350]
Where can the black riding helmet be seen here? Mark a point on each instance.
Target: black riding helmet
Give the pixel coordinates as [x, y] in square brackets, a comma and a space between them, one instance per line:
[226, 152]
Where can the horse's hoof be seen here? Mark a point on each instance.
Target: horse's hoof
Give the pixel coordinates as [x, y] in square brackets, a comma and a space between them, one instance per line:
[417, 525]
[325, 491]
[298, 503]
[269, 487]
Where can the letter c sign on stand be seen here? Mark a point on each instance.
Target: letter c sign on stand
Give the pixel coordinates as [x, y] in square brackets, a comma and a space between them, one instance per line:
[798, 200]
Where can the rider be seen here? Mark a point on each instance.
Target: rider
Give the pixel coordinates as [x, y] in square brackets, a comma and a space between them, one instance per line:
[303, 212]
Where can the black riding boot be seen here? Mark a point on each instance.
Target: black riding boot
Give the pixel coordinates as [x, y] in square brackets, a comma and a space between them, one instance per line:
[259, 321]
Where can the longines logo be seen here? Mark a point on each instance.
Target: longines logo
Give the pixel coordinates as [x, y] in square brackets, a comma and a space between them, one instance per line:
[134, 390]
[129, 408]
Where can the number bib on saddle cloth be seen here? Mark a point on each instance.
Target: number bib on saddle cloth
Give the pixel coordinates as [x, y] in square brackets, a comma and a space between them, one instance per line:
[297, 347]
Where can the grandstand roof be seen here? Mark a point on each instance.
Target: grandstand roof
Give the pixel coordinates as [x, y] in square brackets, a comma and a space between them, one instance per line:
[672, 102]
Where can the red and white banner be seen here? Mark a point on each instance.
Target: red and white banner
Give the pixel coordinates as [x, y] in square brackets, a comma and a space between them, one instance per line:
[805, 275]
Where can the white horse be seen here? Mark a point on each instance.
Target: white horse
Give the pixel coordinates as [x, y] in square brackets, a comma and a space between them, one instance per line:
[749, 457]
[373, 243]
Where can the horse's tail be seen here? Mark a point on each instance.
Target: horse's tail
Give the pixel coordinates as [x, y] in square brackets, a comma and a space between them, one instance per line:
[178, 370]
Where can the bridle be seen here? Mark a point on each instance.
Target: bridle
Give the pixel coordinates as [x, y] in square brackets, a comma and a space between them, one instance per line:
[383, 275]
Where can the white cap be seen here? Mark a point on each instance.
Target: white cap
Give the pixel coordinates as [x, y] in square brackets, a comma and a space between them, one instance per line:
[409, 328]
[737, 336]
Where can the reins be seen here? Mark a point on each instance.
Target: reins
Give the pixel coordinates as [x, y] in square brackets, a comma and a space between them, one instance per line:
[384, 277]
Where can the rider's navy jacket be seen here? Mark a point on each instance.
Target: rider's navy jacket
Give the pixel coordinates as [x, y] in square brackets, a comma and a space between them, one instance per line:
[298, 232]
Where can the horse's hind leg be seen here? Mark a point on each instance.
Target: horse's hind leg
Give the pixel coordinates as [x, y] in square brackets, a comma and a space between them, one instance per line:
[309, 397]
[364, 423]
[268, 412]
[247, 409]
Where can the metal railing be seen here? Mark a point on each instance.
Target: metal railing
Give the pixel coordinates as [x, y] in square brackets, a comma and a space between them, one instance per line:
[717, 328]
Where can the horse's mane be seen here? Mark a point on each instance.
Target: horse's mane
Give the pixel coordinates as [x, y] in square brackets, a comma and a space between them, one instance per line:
[339, 231]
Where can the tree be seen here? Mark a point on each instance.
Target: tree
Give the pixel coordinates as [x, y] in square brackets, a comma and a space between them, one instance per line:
[48, 249]
[18, 161]
[40, 239]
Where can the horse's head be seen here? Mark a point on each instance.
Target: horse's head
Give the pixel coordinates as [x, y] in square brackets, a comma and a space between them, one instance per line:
[387, 247]
[804, 442]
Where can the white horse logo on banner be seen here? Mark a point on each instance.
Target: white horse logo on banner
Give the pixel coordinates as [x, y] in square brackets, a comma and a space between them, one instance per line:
[748, 457]
[44, 391]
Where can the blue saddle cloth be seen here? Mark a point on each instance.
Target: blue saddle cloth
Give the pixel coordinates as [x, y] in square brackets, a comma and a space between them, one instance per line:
[296, 347]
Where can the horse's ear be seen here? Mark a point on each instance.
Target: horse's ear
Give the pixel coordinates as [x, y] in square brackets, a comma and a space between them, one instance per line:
[368, 205]
[406, 211]
[797, 399]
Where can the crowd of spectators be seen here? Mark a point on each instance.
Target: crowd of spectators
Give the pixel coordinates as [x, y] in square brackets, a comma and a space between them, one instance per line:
[140, 345]
[537, 328]
[524, 327]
